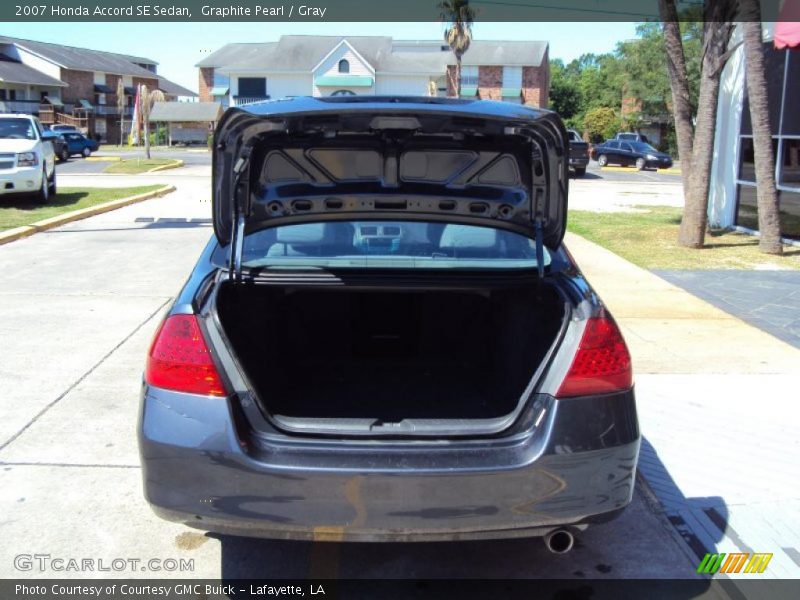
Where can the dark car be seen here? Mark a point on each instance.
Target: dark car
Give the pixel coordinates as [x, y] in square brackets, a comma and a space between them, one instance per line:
[631, 137]
[77, 143]
[638, 154]
[59, 145]
[386, 339]
[578, 153]
[61, 128]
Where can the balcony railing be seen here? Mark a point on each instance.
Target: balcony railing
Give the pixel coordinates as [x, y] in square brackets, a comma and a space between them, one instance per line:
[245, 100]
[19, 106]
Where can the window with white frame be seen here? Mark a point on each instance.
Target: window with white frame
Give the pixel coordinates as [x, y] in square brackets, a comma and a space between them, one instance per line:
[783, 91]
[512, 77]
[469, 75]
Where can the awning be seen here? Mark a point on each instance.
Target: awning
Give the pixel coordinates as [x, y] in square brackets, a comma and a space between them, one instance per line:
[102, 89]
[511, 92]
[85, 104]
[220, 90]
[53, 101]
[787, 29]
[130, 90]
[344, 81]
[467, 91]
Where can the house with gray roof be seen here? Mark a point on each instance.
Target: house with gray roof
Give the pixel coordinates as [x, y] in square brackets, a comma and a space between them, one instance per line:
[311, 65]
[77, 86]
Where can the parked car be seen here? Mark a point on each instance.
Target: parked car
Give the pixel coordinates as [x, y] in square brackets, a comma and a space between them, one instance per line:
[631, 137]
[61, 128]
[387, 318]
[578, 153]
[77, 143]
[27, 162]
[59, 145]
[638, 154]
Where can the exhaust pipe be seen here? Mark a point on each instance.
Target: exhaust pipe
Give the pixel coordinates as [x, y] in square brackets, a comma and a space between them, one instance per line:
[559, 541]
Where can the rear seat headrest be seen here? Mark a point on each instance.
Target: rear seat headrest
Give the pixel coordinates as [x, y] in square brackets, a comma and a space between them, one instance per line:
[467, 236]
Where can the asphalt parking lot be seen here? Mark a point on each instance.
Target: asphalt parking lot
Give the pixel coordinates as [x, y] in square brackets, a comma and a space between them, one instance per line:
[77, 165]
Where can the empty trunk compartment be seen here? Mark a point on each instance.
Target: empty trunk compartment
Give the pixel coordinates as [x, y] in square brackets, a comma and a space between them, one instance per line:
[389, 356]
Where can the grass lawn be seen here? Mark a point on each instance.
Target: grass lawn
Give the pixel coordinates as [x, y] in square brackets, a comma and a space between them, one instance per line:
[19, 211]
[132, 166]
[649, 238]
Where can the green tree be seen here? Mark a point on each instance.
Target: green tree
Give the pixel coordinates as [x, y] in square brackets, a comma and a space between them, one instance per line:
[565, 94]
[601, 123]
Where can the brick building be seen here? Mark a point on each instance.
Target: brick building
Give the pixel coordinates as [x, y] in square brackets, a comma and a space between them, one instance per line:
[297, 65]
[77, 86]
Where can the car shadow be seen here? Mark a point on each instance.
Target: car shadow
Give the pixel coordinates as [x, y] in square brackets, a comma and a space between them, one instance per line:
[587, 175]
[702, 522]
[23, 202]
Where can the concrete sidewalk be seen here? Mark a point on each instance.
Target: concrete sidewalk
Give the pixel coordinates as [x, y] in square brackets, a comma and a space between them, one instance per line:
[718, 407]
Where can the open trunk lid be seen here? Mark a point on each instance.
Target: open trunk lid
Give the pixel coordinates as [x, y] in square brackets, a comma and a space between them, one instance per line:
[367, 158]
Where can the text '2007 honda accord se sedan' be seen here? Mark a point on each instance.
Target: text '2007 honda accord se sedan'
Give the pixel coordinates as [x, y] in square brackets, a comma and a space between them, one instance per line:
[386, 339]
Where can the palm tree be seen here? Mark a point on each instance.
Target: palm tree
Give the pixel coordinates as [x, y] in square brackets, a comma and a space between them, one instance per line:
[679, 84]
[149, 98]
[121, 109]
[458, 35]
[769, 225]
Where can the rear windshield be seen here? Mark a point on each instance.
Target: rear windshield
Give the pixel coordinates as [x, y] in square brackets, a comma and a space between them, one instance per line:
[386, 244]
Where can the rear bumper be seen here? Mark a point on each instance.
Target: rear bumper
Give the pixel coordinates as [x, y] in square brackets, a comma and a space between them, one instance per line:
[578, 161]
[577, 467]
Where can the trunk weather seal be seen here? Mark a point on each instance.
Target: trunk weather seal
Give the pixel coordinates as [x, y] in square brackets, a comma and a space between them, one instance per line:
[257, 413]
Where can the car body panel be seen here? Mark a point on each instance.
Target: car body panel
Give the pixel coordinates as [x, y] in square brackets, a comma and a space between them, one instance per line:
[578, 151]
[472, 162]
[202, 471]
[77, 142]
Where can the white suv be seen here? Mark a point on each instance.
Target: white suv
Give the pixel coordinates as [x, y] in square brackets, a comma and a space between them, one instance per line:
[27, 161]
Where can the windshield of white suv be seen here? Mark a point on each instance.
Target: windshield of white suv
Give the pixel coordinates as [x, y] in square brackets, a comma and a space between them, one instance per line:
[388, 244]
[16, 129]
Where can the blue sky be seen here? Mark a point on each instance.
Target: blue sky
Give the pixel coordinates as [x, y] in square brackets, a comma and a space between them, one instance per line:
[178, 46]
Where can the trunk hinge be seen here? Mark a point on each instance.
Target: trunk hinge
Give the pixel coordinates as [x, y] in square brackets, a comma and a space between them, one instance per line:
[539, 246]
[241, 194]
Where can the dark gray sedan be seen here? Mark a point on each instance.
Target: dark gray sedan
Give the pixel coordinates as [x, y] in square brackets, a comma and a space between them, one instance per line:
[386, 338]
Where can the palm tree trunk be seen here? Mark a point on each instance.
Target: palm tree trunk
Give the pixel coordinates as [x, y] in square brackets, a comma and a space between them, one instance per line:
[695, 211]
[147, 137]
[769, 225]
[679, 84]
[458, 76]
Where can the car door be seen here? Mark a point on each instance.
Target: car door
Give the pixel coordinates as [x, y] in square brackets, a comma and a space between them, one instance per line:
[74, 143]
[48, 149]
[611, 150]
[626, 155]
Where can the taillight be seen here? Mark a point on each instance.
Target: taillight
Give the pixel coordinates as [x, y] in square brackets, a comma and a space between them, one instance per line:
[179, 359]
[602, 363]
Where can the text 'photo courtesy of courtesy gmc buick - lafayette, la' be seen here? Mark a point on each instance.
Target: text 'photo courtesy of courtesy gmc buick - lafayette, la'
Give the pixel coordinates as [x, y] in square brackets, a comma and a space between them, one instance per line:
[387, 311]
